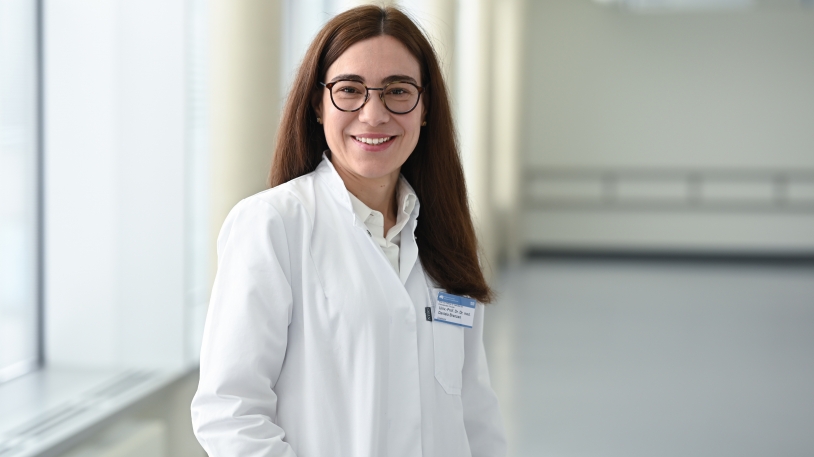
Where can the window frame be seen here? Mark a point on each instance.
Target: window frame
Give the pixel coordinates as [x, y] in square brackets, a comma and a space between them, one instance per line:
[26, 366]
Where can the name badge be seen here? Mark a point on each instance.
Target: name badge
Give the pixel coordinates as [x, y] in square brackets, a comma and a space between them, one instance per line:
[455, 310]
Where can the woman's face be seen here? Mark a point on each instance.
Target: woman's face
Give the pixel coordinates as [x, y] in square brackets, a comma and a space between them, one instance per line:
[374, 62]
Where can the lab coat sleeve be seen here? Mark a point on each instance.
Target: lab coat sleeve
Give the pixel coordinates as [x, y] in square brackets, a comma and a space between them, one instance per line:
[235, 408]
[482, 419]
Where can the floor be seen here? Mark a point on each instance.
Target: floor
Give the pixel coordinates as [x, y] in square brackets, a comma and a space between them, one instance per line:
[642, 359]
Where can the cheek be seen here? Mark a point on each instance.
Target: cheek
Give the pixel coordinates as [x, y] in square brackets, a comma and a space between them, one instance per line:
[415, 125]
[327, 104]
[329, 113]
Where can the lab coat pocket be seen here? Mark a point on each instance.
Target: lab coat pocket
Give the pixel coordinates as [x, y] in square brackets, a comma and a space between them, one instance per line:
[448, 345]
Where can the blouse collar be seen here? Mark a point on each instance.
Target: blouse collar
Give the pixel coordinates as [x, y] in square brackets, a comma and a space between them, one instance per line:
[408, 200]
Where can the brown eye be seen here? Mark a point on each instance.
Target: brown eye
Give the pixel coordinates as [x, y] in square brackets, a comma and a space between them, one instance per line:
[348, 90]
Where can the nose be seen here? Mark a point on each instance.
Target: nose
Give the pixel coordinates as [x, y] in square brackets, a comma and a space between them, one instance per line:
[374, 112]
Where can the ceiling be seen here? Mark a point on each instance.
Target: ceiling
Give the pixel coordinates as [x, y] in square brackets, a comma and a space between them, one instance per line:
[666, 6]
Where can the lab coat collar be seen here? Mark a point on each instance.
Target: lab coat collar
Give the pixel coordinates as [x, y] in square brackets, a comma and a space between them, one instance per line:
[408, 252]
[328, 172]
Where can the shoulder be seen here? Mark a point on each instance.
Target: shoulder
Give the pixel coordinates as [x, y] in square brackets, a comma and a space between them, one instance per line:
[291, 202]
[276, 212]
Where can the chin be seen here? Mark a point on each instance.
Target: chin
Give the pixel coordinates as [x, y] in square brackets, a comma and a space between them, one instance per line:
[372, 172]
[374, 165]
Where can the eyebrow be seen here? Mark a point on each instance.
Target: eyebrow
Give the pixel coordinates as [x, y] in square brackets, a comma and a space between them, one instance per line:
[385, 81]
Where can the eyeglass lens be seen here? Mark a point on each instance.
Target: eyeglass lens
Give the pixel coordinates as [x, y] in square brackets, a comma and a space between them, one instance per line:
[398, 97]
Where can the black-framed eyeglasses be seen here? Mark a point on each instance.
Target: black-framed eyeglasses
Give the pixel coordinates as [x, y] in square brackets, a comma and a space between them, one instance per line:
[399, 97]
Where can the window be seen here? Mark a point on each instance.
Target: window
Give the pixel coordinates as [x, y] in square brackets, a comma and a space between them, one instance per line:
[19, 188]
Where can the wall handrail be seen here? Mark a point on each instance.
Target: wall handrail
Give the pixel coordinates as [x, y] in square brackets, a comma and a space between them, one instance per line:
[649, 189]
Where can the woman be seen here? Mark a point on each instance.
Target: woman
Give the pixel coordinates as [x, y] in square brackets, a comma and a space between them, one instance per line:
[320, 339]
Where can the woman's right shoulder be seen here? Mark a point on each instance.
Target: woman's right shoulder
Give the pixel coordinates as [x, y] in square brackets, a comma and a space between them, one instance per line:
[281, 216]
[293, 202]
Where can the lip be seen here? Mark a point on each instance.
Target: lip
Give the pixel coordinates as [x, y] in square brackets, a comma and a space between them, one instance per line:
[372, 147]
[372, 135]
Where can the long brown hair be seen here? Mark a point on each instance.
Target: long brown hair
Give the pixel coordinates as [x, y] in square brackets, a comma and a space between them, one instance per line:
[446, 239]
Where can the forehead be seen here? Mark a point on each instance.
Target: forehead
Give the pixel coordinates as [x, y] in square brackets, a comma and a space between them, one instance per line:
[375, 59]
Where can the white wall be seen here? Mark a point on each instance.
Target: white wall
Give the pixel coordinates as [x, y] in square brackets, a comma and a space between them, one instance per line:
[609, 90]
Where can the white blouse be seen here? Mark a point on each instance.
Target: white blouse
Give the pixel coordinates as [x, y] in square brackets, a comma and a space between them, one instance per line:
[374, 221]
[314, 346]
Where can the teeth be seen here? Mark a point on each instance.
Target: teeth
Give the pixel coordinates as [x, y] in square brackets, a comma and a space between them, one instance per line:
[373, 141]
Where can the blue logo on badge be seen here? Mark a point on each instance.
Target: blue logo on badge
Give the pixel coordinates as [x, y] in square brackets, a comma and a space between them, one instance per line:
[456, 300]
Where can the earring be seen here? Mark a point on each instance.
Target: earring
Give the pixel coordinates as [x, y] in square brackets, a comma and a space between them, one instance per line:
[319, 120]
[424, 124]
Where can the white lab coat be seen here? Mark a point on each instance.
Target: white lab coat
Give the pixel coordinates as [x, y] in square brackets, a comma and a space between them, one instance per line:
[315, 347]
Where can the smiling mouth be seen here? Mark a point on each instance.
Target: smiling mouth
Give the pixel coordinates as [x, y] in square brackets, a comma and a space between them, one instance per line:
[373, 141]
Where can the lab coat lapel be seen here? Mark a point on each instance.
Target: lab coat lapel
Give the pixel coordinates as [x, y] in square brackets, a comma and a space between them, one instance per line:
[408, 251]
[338, 191]
[387, 303]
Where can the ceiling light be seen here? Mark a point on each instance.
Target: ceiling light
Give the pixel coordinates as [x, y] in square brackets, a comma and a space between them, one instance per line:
[679, 5]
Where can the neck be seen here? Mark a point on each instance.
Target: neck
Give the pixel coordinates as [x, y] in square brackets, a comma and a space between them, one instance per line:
[378, 194]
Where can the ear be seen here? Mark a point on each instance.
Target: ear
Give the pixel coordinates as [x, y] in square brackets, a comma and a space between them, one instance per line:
[316, 103]
[317, 107]
[425, 105]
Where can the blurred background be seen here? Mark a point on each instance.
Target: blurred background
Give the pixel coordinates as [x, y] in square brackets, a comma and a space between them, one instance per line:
[641, 174]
